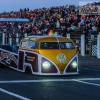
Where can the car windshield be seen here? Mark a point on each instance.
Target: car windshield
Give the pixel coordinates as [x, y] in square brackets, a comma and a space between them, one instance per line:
[49, 45]
[67, 45]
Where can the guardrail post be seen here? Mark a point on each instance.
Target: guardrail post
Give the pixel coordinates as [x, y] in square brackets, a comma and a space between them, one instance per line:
[68, 35]
[25, 35]
[98, 46]
[17, 38]
[83, 45]
[92, 37]
[0, 37]
[3, 38]
[77, 41]
[10, 39]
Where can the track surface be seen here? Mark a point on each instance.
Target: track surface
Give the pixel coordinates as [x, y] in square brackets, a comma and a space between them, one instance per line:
[85, 86]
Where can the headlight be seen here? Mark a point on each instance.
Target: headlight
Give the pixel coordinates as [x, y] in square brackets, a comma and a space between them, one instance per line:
[46, 65]
[74, 64]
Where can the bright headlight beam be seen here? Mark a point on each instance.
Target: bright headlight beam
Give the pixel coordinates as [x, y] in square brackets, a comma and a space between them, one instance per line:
[46, 65]
[74, 64]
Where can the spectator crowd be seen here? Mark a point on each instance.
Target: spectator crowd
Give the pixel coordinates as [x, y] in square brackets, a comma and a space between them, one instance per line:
[41, 21]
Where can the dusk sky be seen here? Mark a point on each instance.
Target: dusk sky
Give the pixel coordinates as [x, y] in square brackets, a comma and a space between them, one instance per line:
[15, 5]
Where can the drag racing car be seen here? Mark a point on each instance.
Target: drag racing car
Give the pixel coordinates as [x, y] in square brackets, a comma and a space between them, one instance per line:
[42, 55]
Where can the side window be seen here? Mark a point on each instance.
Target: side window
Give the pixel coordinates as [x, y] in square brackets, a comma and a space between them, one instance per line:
[24, 44]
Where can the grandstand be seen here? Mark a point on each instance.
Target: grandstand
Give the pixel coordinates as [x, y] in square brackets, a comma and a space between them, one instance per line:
[62, 20]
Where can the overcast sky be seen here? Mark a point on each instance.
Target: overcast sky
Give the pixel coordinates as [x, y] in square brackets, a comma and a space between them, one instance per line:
[15, 5]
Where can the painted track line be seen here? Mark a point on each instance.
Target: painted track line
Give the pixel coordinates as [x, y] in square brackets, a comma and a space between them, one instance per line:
[48, 80]
[53, 80]
[87, 83]
[13, 94]
[35, 81]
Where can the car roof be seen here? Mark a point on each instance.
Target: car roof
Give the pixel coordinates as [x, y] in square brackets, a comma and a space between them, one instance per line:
[47, 39]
